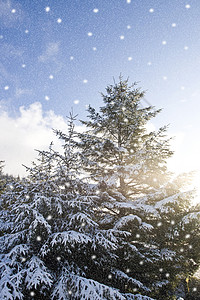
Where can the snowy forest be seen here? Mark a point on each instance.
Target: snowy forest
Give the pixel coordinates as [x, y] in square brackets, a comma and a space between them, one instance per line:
[104, 218]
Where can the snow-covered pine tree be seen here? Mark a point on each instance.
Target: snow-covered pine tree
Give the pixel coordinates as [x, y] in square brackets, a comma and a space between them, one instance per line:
[51, 245]
[138, 195]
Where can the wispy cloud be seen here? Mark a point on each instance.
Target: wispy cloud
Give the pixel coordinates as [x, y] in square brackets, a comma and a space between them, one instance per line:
[11, 13]
[50, 53]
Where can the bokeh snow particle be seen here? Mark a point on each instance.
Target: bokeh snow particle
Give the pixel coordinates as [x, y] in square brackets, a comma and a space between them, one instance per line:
[59, 20]
[130, 58]
[128, 1]
[121, 37]
[94, 48]
[187, 6]
[47, 9]
[173, 24]
[85, 81]
[6, 87]
[76, 101]
[13, 11]
[164, 42]
[95, 10]
[90, 34]
[151, 10]
[47, 98]
[128, 26]
[71, 57]
[38, 238]
[26, 31]
[51, 77]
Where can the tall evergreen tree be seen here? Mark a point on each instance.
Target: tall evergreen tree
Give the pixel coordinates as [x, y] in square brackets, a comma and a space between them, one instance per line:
[137, 193]
[52, 246]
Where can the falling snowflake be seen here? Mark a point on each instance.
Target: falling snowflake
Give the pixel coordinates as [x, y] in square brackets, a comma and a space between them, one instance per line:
[71, 57]
[59, 20]
[23, 259]
[90, 34]
[194, 289]
[95, 10]
[1, 37]
[187, 6]
[126, 120]
[49, 217]
[167, 275]
[109, 276]
[13, 11]
[23, 66]
[127, 270]
[26, 31]
[50, 76]
[123, 108]
[137, 235]
[173, 24]
[186, 48]
[172, 222]
[128, 1]
[159, 224]
[94, 48]
[182, 88]
[141, 262]
[58, 258]
[6, 88]
[187, 236]
[161, 270]
[181, 250]
[164, 77]
[85, 81]
[164, 42]
[76, 101]
[32, 294]
[151, 10]
[47, 98]
[121, 37]
[27, 197]
[82, 224]
[149, 63]
[47, 9]
[130, 58]
[128, 27]
[93, 257]
[38, 238]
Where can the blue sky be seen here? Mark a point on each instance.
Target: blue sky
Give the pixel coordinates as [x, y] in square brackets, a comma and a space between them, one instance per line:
[59, 54]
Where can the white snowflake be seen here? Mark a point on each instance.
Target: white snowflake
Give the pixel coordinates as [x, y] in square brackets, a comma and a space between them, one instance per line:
[93, 257]
[76, 101]
[47, 98]
[27, 197]
[121, 37]
[49, 217]
[159, 224]
[123, 108]
[85, 81]
[58, 258]
[71, 58]
[172, 222]
[128, 27]
[141, 262]
[32, 294]
[187, 6]
[173, 24]
[167, 275]
[69, 292]
[47, 9]
[13, 11]
[161, 269]
[164, 77]
[26, 31]
[95, 10]
[181, 250]
[126, 120]
[151, 10]
[50, 76]
[109, 276]
[194, 289]
[23, 66]
[164, 42]
[83, 224]
[127, 270]
[137, 235]
[94, 48]
[90, 34]
[149, 63]
[182, 88]
[186, 48]
[187, 236]
[128, 1]
[6, 87]
[130, 58]
[59, 20]
[38, 238]
[1, 37]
